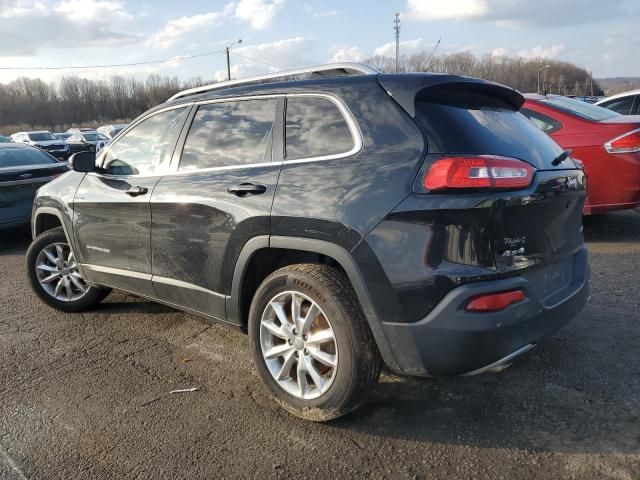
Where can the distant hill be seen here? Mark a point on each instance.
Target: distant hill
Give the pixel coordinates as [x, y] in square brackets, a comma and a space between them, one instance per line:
[614, 85]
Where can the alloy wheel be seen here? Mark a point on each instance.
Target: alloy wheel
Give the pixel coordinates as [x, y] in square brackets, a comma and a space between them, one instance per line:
[298, 345]
[58, 274]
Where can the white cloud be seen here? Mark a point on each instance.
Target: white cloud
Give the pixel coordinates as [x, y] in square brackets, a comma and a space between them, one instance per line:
[259, 13]
[422, 10]
[91, 10]
[346, 53]
[282, 54]
[407, 47]
[499, 52]
[512, 13]
[30, 26]
[174, 30]
[540, 51]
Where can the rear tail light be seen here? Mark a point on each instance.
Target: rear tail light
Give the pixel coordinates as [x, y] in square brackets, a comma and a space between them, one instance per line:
[627, 143]
[495, 301]
[481, 171]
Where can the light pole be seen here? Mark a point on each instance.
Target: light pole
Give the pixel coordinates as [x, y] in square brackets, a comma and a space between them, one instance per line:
[396, 29]
[539, 70]
[238, 42]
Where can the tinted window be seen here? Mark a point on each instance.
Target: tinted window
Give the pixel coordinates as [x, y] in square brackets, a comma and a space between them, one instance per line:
[620, 105]
[19, 157]
[315, 127]
[227, 134]
[485, 127]
[146, 149]
[579, 108]
[543, 122]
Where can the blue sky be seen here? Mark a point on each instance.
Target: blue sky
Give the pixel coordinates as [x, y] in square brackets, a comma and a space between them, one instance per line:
[602, 36]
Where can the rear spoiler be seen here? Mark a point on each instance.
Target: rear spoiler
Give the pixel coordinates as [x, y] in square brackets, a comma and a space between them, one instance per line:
[405, 89]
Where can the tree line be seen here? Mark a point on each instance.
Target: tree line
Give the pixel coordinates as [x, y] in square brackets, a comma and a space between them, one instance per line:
[29, 103]
[520, 73]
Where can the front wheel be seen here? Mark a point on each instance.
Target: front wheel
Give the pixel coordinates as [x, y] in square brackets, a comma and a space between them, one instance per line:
[54, 275]
[310, 342]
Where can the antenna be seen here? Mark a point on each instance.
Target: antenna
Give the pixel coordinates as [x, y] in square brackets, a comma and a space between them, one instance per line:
[433, 54]
[396, 28]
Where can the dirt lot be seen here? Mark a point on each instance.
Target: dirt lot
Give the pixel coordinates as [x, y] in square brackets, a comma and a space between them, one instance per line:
[87, 395]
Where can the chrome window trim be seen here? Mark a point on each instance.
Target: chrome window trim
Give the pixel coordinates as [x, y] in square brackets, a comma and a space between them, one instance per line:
[117, 271]
[356, 135]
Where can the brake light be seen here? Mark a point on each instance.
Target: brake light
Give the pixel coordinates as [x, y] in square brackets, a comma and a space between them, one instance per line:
[626, 143]
[481, 171]
[495, 301]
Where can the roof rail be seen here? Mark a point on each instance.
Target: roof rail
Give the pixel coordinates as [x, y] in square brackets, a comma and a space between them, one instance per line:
[328, 70]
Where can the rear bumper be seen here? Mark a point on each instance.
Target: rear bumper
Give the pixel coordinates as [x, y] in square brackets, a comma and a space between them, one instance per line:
[452, 341]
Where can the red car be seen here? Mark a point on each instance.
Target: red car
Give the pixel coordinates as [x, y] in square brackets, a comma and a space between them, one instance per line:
[606, 142]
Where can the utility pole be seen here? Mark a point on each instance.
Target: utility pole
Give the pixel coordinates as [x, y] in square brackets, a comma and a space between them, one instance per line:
[396, 28]
[591, 78]
[226, 51]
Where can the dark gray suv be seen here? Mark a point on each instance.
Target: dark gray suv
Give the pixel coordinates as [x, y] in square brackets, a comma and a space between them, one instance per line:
[343, 220]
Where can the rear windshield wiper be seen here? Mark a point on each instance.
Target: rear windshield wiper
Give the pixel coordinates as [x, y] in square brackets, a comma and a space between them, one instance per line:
[561, 158]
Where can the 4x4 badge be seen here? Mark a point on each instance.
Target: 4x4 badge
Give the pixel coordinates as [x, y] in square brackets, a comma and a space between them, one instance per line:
[572, 183]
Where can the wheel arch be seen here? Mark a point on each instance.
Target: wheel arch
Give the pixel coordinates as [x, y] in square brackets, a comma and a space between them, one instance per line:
[47, 218]
[330, 253]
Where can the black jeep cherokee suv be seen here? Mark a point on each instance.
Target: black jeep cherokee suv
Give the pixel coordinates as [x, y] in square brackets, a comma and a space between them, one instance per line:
[341, 220]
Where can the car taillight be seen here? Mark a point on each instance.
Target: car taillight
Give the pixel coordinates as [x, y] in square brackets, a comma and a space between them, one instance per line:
[495, 301]
[479, 171]
[626, 143]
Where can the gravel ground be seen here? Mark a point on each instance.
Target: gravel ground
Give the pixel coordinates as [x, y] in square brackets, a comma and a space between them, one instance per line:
[86, 396]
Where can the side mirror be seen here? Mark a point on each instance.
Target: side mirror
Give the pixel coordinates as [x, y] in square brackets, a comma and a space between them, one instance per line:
[83, 161]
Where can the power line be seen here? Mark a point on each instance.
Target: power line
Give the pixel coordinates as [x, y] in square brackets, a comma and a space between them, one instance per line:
[257, 61]
[88, 67]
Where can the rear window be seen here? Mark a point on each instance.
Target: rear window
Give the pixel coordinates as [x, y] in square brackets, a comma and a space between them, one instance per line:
[41, 137]
[579, 108]
[484, 126]
[20, 157]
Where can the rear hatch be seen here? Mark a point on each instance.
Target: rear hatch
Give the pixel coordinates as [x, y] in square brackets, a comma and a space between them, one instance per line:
[536, 230]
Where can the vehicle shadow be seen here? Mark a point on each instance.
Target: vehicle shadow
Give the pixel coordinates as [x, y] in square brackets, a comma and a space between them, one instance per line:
[14, 240]
[570, 394]
[614, 227]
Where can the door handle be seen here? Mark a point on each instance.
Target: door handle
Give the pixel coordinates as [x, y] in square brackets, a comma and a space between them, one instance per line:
[137, 190]
[247, 189]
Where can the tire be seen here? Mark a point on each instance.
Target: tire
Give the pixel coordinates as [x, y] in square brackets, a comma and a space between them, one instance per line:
[330, 392]
[40, 266]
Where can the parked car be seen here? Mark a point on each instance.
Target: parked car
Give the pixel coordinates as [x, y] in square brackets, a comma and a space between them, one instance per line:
[86, 141]
[415, 219]
[63, 135]
[607, 143]
[4, 139]
[23, 169]
[627, 103]
[44, 140]
[111, 131]
[80, 129]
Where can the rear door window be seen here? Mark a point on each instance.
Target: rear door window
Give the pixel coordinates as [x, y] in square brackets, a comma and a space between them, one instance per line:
[229, 134]
[480, 124]
[315, 127]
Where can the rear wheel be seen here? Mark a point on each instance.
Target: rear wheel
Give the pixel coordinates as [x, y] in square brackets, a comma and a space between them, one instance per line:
[54, 275]
[310, 342]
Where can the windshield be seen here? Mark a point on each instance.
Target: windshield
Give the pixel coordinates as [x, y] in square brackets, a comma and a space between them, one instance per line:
[41, 137]
[581, 109]
[92, 137]
[19, 157]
